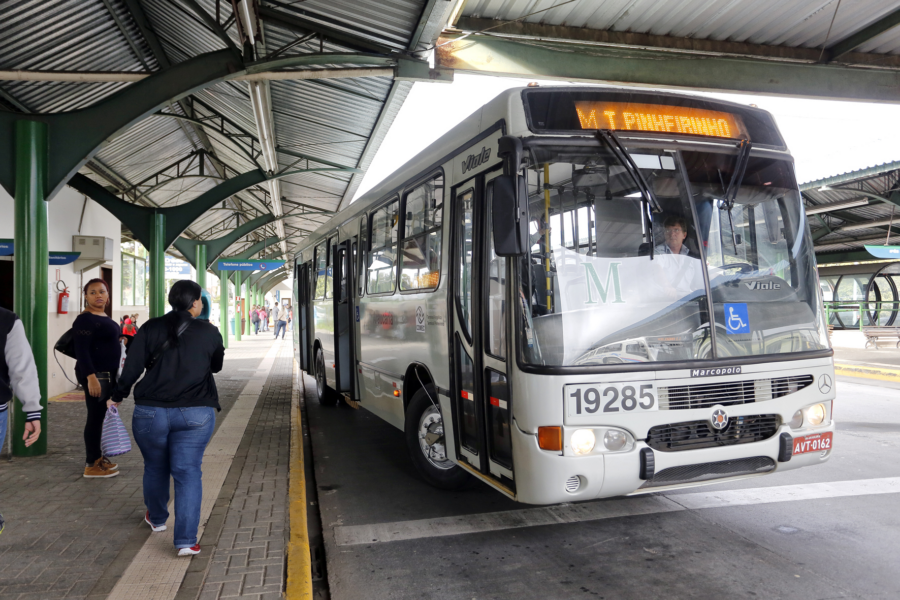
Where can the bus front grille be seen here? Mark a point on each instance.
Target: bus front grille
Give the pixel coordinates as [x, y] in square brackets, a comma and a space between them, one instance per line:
[754, 465]
[729, 393]
[693, 435]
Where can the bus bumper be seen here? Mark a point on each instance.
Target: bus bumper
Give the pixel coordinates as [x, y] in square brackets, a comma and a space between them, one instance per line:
[544, 477]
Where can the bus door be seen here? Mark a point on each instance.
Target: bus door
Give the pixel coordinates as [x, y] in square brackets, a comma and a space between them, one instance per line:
[302, 314]
[344, 307]
[481, 396]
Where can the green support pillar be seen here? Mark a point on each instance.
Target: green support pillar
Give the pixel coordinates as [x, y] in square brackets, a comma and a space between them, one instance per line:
[157, 253]
[223, 307]
[246, 314]
[201, 265]
[31, 266]
[237, 312]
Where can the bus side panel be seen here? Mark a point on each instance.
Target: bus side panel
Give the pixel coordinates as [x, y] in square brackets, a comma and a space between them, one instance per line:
[323, 318]
[396, 331]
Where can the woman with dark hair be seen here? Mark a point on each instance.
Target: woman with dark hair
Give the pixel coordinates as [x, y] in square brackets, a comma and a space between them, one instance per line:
[97, 353]
[175, 408]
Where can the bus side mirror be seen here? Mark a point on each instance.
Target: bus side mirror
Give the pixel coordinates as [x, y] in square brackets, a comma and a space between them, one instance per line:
[509, 217]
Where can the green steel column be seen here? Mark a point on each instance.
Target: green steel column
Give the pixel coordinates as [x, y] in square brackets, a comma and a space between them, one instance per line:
[223, 306]
[237, 312]
[201, 265]
[157, 254]
[31, 266]
[247, 303]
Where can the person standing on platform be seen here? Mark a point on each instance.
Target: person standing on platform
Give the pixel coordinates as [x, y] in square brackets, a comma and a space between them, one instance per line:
[98, 354]
[175, 408]
[18, 375]
[254, 318]
[278, 315]
[128, 328]
[264, 317]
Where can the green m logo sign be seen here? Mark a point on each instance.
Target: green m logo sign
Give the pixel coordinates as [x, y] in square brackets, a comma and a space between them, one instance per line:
[603, 290]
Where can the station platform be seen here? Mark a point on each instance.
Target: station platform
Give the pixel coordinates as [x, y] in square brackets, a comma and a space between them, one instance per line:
[68, 537]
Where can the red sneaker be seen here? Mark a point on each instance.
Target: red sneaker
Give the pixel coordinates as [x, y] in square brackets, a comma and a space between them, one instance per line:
[195, 549]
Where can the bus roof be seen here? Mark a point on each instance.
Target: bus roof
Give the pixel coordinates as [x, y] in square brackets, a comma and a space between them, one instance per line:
[508, 107]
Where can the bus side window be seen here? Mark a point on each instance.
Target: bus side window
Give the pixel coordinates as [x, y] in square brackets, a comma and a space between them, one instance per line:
[496, 271]
[420, 266]
[382, 265]
[329, 282]
[363, 252]
[321, 265]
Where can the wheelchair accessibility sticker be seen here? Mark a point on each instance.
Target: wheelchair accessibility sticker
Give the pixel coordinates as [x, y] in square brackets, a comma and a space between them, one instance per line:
[736, 319]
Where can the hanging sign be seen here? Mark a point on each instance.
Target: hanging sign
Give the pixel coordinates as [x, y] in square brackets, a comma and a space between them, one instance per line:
[884, 251]
[63, 258]
[176, 269]
[250, 265]
[7, 248]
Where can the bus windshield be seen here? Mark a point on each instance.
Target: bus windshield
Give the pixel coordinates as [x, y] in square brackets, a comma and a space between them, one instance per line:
[610, 279]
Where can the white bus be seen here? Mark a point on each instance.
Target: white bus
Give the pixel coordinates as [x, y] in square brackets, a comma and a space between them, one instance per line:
[580, 293]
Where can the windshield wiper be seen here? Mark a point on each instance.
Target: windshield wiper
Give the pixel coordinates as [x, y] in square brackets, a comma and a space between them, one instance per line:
[737, 178]
[648, 198]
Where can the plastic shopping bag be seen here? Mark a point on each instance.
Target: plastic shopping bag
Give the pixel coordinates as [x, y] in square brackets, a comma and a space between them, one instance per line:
[114, 440]
[122, 359]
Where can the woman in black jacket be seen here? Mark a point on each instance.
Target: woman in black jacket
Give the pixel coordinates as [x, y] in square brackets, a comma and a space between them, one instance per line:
[175, 408]
[98, 354]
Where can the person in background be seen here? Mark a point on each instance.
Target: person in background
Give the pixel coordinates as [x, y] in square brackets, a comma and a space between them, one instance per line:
[18, 375]
[254, 318]
[264, 318]
[128, 328]
[278, 315]
[98, 355]
[175, 409]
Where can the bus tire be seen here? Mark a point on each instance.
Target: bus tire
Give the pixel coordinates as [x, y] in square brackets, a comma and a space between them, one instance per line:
[325, 394]
[430, 460]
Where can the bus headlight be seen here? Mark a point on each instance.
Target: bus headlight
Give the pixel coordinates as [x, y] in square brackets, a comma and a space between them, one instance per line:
[583, 441]
[816, 414]
[797, 421]
[615, 440]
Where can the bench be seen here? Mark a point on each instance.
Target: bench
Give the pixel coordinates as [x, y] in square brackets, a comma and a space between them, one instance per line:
[874, 334]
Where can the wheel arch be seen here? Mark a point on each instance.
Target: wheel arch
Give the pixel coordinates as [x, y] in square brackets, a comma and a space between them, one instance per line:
[411, 381]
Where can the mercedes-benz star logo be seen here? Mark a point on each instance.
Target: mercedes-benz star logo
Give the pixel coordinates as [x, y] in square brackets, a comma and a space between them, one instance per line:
[824, 384]
[719, 419]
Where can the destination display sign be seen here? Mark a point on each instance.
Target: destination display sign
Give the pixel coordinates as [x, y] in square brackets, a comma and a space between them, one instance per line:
[633, 116]
[8, 247]
[250, 265]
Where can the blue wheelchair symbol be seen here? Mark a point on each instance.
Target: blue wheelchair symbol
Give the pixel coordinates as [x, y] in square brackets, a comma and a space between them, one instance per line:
[736, 319]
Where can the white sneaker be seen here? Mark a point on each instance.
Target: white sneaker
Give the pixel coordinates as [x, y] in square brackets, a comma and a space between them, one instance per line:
[195, 549]
[152, 526]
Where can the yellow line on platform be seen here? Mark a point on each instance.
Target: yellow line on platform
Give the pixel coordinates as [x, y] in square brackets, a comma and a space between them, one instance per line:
[867, 372]
[299, 567]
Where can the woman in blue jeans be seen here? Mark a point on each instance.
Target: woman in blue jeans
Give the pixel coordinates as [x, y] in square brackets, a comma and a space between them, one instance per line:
[175, 408]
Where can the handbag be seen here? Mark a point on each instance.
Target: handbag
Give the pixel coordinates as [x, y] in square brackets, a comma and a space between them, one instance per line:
[114, 440]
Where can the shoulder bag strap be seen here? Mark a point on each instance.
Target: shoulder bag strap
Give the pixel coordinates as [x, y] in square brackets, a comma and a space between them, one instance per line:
[165, 345]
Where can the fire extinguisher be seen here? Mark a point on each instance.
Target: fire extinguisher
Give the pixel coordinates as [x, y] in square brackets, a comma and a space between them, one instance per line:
[62, 306]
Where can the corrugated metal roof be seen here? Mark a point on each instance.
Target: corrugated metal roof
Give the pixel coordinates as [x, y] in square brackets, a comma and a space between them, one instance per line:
[795, 23]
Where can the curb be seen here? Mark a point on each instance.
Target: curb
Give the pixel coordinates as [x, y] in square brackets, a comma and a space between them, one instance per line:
[867, 372]
[299, 564]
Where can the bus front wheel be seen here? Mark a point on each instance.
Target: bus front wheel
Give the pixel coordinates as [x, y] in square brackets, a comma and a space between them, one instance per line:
[426, 443]
[326, 396]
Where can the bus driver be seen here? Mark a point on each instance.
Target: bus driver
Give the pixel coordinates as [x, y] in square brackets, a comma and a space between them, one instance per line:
[676, 233]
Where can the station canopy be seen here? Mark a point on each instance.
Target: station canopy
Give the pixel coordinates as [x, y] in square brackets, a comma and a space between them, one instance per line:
[321, 81]
[850, 211]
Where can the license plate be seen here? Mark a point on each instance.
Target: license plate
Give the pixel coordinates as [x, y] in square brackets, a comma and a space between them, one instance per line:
[815, 442]
[587, 401]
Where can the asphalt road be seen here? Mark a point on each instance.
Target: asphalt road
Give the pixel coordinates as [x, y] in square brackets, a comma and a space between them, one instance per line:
[830, 531]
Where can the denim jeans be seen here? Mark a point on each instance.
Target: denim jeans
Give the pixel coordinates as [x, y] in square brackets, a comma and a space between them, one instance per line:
[280, 326]
[4, 417]
[172, 441]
